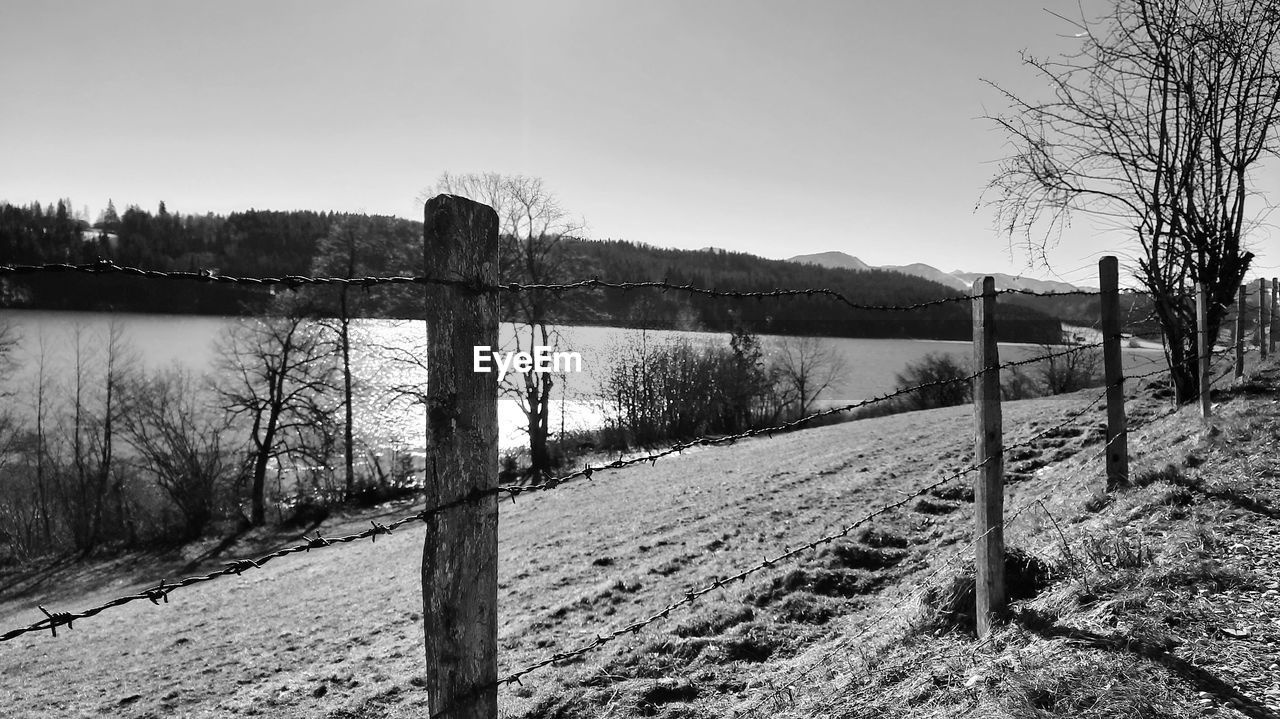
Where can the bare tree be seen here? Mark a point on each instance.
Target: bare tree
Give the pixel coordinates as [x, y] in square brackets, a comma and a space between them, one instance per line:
[275, 371]
[806, 366]
[944, 378]
[38, 452]
[12, 504]
[181, 444]
[356, 247]
[531, 226]
[88, 478]
[9, 338]
[1061, 373]
[1154, 126]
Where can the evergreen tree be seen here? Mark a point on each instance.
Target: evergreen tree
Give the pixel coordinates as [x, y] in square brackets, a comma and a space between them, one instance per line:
[109, 220]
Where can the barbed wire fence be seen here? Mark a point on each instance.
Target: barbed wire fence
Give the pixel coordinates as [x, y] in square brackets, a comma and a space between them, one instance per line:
[461, 702]
[160, 592]
[781, 695]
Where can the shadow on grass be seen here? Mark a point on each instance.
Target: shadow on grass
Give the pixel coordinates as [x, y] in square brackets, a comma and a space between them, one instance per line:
[217, 549]
[1233, 496]
[27, 583]
[1199, 678]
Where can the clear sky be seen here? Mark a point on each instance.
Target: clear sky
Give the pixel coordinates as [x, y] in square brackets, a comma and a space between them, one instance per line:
[777, 128]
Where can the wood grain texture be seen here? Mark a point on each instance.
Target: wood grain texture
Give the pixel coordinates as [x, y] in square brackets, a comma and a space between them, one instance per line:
[460, 555]
[1113, 374]
[988, 487]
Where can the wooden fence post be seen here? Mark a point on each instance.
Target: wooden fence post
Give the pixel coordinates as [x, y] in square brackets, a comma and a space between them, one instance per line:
[988, 484]
[460, 556]
[1202, 348]
[1275, 297]
[1113, 371]
[1242, 306]
[1263, 327]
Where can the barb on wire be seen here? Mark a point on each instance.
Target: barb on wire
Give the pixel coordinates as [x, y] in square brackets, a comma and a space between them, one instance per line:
[160, 591]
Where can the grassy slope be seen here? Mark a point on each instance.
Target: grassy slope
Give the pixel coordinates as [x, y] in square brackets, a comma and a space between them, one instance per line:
[1165, 600]
[337, 632]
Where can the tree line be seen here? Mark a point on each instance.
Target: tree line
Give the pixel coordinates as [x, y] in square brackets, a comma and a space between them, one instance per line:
[260, 243]
[99, 450]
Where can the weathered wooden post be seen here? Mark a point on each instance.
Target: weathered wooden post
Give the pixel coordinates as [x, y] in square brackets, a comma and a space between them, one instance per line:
[1113, 371]
[1202, 348]
[1275, 297]
[988, 484]
[1242, 306]
[460, 556]
[1263, 325]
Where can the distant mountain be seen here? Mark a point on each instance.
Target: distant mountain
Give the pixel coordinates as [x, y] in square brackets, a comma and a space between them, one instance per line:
[929, 272]
[1011, 282]
[838, 260]
[959, 279]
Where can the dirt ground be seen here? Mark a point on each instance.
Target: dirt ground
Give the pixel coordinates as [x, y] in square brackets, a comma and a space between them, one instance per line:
[337, 632]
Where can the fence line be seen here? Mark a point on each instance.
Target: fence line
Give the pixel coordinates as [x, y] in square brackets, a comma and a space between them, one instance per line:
[954, 561]
[956, 558]
[160, 591]
[448, 292]
[844, 531]
[679, 447]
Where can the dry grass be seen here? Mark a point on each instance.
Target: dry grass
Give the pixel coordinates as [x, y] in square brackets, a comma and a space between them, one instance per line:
[1163, 602]
[1123, 597]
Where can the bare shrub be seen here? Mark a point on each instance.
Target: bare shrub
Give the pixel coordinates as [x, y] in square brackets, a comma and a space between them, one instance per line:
[943, 380]
[1061, 373]
[275, 374]
[804, 368]
[184, 444]
[679, 389]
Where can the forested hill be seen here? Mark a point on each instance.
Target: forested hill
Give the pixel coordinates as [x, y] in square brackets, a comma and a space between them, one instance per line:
[273, 243]
[618, 260]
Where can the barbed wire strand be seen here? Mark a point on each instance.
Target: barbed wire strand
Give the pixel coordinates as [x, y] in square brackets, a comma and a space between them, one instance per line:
[679, 447]
[1026, 505]
[160, 592]
[958, 556]
[691, 596]
[108, 267]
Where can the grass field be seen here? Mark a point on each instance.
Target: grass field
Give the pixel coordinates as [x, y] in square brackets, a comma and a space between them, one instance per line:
[1156, 601]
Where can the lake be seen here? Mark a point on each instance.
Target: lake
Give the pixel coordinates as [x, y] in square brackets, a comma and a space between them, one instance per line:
[192, 341]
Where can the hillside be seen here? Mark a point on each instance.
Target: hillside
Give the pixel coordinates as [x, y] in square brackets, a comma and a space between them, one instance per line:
[261, 243]
[620, 261]
[1159, 600]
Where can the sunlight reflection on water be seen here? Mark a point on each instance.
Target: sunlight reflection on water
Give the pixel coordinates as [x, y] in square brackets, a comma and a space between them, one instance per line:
[382, 346]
